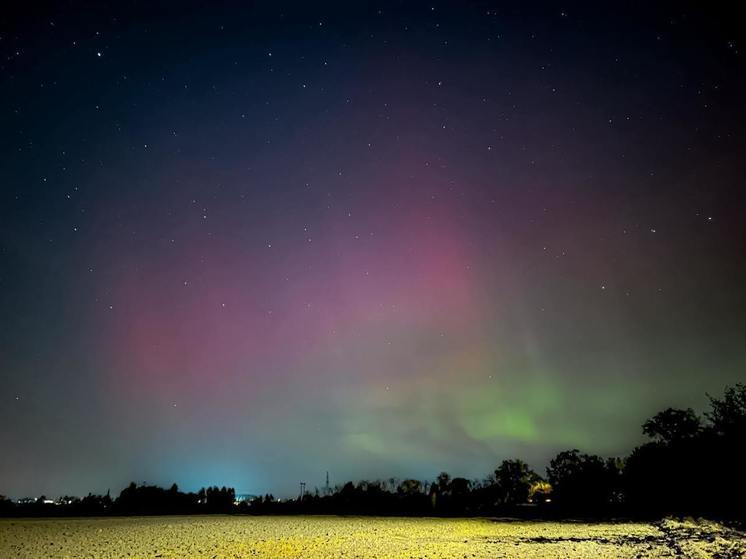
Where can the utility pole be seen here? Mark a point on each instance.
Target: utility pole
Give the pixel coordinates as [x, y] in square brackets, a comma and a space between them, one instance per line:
[327, 491]
[302, 489]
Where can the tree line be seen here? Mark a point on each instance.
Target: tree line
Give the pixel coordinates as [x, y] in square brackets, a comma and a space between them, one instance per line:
[133, 500]
[691, 465]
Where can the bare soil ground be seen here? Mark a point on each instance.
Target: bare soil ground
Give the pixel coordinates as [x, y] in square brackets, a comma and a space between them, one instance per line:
[335, 537]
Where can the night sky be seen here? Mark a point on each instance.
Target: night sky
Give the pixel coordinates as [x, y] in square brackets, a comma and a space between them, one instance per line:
[246, 244]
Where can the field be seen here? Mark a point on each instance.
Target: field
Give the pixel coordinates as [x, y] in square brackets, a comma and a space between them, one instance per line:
[327, 537]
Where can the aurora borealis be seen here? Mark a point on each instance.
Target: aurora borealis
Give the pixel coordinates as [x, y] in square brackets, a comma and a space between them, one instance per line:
[245, 245]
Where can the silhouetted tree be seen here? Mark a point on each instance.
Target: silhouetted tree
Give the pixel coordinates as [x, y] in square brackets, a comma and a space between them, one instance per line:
[444, 481]
[219, 499]
[728, 415]
[7, 506]
[514, 479]
[409, 487]
[673, 473]
[459, 486]
[582, 482]
[672, 425]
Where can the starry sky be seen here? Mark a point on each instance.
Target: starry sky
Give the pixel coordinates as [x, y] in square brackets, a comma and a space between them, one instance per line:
[244, 244]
